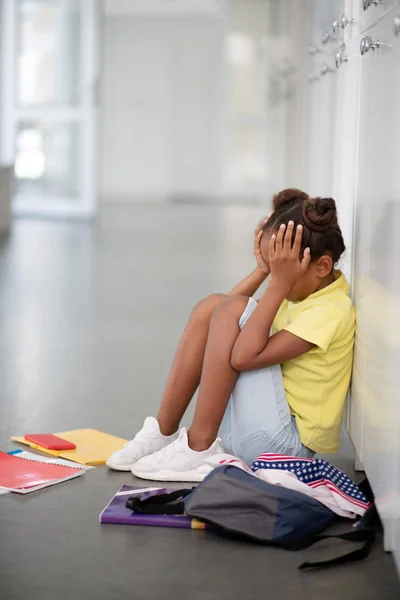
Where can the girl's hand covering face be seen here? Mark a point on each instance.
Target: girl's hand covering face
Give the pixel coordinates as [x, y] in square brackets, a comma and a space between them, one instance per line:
[287, 266]
[262, 265]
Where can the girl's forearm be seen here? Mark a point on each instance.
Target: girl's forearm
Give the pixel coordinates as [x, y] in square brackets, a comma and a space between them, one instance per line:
[250, 284]
[254, 337]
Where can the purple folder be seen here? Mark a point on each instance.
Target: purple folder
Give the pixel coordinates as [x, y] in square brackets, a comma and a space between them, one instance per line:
[116, 511]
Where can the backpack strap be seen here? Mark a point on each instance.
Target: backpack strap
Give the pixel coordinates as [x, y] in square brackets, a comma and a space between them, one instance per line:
[365, 532]
[361, 535]
[163, 504]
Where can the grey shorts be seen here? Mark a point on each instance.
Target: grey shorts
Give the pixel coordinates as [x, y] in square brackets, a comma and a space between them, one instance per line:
[258, 418]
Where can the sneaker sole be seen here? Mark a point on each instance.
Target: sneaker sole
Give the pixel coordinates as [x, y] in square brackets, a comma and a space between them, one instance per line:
[165, 475]
[116, 467]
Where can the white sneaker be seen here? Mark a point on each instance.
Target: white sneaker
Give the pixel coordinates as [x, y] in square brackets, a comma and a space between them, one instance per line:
[177, 462]
[148, 440]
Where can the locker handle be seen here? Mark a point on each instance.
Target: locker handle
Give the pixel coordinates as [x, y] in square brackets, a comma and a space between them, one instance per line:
[325, 69]
[367, 3]
[312, 50]
[341, 23]
[368, 44]
[327, 37]
[340, 58]
[396, 26]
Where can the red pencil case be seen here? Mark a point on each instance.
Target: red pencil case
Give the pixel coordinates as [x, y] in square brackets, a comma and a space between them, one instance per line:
[49, 441]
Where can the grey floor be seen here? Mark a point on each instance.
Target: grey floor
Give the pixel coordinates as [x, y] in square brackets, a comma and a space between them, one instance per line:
[89, 318]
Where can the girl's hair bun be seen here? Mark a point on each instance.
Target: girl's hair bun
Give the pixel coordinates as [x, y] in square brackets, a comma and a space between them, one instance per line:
[290, 195]
[321, 231]
[319, 214]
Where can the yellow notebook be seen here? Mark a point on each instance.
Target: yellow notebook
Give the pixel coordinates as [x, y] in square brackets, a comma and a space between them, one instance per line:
[92, 447]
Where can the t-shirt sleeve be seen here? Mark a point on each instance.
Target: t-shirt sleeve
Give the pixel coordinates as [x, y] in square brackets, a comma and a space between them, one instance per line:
[315, 323]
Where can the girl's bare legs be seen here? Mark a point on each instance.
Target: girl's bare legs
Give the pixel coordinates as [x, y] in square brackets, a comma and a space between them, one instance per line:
[218, 378]
[185, 373]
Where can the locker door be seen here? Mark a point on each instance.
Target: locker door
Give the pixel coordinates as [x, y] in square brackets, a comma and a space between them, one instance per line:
[394, 371]
[321, 98]
[385, 275]
[378, 282]
[360, 264]
[345, 142]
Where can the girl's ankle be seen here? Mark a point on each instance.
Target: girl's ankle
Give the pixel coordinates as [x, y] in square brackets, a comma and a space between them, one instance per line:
[199, 443]
[167, 429]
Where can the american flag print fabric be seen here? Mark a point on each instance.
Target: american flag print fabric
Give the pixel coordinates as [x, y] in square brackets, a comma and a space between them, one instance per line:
[327, 483]
[314, 477]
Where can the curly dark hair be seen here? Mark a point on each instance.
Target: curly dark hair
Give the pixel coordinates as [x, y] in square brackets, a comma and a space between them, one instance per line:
[321, 231]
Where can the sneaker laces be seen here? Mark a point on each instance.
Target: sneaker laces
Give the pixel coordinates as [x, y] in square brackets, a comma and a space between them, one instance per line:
[178, 445]
[141, 440]
[169, 451]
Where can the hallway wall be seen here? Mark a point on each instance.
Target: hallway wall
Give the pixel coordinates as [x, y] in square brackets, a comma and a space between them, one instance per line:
[161, 106]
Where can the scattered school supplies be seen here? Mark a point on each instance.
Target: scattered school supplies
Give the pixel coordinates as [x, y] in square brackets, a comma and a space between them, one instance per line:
[239, 504]
[54, 460]
[22, 475]
[50, 441]
[117, 512]
[92, 447]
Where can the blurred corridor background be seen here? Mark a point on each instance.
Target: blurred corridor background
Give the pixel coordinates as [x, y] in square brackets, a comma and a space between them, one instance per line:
[141, 142]
[166, 100]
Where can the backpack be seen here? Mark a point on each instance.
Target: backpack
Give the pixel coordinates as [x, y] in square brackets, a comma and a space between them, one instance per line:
[237, 504]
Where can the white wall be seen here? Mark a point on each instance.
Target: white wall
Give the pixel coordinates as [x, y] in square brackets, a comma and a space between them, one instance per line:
[195, 116]
[6, 169]
[161, 105]
[246, 168]
[163, 8]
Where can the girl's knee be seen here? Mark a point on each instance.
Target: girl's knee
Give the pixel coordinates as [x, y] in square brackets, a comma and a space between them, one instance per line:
[233, 305]
[206, 307]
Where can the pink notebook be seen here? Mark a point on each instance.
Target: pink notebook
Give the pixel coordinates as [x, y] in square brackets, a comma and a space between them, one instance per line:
[22, 475]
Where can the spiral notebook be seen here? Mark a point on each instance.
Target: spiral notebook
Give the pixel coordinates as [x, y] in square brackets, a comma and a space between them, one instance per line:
[117, 513]
[23, 475]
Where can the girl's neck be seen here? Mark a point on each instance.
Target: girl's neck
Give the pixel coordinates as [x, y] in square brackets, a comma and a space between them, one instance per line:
[326, 281]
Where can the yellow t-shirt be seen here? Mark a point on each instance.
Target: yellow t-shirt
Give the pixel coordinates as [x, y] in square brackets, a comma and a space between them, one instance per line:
[316, 383]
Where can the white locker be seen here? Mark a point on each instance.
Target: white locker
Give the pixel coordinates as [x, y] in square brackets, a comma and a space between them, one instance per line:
[321, 97]
[351, 150]
[345, 146]
[375, 413]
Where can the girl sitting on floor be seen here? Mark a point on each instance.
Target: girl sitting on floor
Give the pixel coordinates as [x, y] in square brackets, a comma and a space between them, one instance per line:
[273, 374]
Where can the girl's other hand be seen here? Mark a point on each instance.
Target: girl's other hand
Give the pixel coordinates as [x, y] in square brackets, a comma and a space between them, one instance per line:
[287, 266]
[261, 264]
